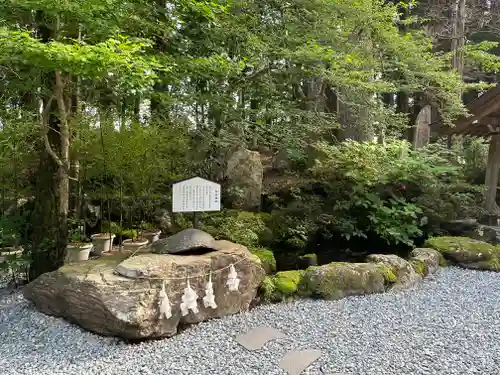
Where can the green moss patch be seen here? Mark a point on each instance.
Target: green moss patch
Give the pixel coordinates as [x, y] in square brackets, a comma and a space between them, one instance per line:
[280, 286]
[266, 257]
[388, 273]
[287, 282]
[420, 267]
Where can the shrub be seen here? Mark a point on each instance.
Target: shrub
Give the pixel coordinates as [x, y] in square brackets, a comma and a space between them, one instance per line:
[388, 190]
[293, 218]
[10, 230]
[245, 228]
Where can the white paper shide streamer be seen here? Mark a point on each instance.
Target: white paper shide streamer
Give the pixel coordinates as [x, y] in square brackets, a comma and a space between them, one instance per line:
[164, 303]
[209, 299]
[232, 279]
[189, 301]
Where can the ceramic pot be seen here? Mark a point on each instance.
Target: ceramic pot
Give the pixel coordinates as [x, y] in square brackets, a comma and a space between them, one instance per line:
[102, 242]
[78, 251]
[133, 246]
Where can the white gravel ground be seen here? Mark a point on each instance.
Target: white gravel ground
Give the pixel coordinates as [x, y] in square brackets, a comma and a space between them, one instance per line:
[448, 325]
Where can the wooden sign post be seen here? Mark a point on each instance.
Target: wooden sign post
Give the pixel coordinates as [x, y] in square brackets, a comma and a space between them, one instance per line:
[196, 195]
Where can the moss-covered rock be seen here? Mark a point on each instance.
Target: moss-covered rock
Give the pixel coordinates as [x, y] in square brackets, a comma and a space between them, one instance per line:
[287, 282]
[267, 259]
[467, 252]
[339, 279]
[405, 275]
[281, 286]
[425, 261]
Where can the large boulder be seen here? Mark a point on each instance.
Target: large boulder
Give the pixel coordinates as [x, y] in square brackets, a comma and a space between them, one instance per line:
[96, 295]
[245, 173]
[338, 280]
[405, 274]
[425, 261]
[467, 252]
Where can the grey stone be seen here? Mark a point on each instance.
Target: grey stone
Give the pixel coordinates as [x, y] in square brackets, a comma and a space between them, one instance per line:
[296, 361]
[422, 130]
[185, 240]
[281, 161]
[245, 173]
[258, 337]
[403, 270]
[428, 258]
[163, 220]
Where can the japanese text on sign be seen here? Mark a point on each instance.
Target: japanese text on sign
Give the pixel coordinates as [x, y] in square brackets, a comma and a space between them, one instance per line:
[195, 195]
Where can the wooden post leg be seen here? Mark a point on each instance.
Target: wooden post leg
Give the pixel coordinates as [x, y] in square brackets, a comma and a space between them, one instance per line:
[196, 220]
[491, 180]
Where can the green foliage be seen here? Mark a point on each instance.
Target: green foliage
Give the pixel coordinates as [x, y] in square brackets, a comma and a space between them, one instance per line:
[293, 218]
[77, 231]
[128, 233]
[389, 190]
[15, 262]
[420, 267]
[150, 94]
[308, 260]
[245, 228]
[110, 227]
[10, 230]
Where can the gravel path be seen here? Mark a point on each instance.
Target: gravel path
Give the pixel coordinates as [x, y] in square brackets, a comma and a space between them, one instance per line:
[448, 325]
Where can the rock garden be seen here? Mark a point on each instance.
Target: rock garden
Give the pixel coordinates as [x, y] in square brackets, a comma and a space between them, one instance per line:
[289, 289]
[249, 188]
[336, 318]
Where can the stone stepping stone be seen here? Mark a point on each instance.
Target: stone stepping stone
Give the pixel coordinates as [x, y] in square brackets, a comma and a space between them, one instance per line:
[258, 337]
[296, 361]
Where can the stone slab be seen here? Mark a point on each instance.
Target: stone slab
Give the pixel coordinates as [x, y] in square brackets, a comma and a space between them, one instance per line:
[258, 337]
[296, 361]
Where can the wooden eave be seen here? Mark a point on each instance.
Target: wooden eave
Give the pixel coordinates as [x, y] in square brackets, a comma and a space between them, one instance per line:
[483, 121]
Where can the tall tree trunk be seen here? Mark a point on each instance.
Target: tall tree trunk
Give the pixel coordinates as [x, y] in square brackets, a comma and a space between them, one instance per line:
[50, 215]
[458, 42]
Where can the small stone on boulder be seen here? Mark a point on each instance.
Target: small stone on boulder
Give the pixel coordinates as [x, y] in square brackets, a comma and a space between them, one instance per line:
[185, 240]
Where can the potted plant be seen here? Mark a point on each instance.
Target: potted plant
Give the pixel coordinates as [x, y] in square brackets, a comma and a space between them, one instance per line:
[79, 247]
[151, 233]
[103, 242]
[135, 243]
